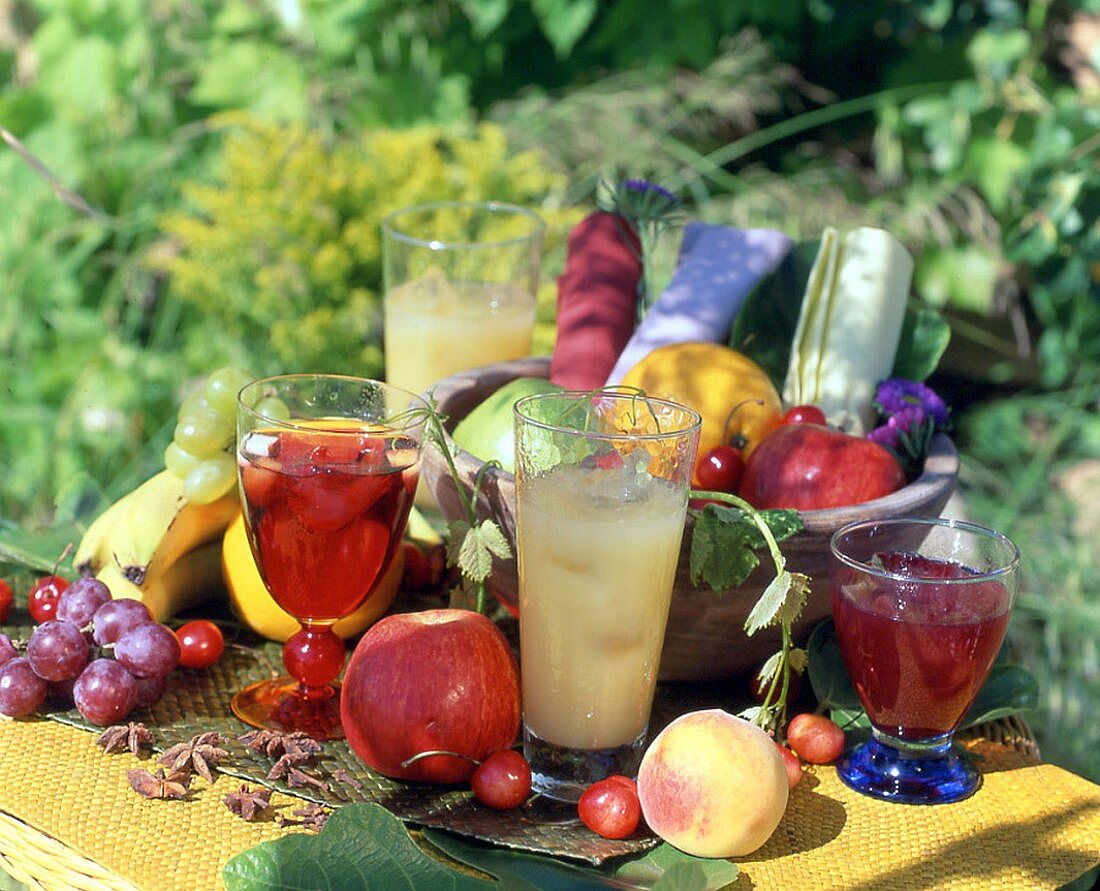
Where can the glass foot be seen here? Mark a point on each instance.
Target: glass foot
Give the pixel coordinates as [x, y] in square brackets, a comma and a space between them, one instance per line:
[562, 773]
[282, 704]
[894, 775]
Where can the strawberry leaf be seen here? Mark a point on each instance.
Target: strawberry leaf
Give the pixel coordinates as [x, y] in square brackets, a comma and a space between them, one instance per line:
[725, 541]
[479, 545]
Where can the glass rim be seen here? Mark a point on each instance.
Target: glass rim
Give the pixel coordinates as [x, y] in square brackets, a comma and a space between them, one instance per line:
[538, 228]
[975, 529]
[578, 395]
[409, 422]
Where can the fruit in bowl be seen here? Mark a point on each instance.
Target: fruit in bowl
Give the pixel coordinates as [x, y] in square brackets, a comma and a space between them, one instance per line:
[701, 623]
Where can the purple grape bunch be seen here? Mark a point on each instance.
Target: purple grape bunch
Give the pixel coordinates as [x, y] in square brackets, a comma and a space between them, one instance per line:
[106, 657]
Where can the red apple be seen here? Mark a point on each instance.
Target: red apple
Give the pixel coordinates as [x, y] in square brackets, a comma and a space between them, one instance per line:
[810, 467]
[442, 680]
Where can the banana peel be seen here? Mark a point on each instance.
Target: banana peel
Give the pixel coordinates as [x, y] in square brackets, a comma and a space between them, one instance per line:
[94, 550]
[155, 546]
[256, 608]
[421, 531]
[159, 525]
[192, 578]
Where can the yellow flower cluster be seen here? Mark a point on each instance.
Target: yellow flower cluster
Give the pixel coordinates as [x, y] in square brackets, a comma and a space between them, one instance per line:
[282, 257]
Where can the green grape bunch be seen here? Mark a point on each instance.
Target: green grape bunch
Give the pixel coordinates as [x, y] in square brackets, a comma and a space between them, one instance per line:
[201, 452]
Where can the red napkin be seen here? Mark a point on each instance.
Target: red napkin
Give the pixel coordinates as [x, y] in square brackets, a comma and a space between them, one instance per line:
[597, 300]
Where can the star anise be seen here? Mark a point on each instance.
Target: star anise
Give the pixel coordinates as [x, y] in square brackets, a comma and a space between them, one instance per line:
[248, 804]
[198, 754]
[275, 743]
[311, 817]
[132, 736]
[282, 767]
[298, 779]
[175, 784]
[342, 776]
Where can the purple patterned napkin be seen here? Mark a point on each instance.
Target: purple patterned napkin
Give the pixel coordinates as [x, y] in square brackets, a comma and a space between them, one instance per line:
[717, 269]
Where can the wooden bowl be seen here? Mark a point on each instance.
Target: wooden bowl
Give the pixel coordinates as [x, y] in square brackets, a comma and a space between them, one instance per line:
[704, 638]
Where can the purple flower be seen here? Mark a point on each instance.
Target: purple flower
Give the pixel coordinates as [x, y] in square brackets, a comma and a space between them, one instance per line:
[907, 419]
[898, 395]
[884, 435]
[644, 186]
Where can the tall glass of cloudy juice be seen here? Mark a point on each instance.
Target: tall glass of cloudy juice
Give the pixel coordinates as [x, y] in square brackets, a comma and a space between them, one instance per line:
[602, 486]
[460, 280]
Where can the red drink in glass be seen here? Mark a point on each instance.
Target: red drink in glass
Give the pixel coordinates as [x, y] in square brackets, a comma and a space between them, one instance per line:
[328, 470]
[326, 511]
[918, 654]
[921, 607]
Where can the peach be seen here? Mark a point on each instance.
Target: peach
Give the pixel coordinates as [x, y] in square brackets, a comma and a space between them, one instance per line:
[713, 785]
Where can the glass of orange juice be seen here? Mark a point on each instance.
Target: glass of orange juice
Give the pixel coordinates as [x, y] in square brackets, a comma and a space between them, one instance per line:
[460, 281]
[602, 484]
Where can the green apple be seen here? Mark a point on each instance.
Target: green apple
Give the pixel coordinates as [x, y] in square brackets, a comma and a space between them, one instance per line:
[486, 432]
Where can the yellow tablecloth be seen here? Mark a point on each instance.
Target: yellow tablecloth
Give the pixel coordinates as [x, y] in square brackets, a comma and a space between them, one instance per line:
[1033, 826]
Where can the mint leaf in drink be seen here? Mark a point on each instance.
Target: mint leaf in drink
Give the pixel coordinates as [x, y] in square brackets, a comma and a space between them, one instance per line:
[361, 846]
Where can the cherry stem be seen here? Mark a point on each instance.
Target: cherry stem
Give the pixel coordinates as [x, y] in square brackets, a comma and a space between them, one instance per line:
[733, 411]
[65, 553]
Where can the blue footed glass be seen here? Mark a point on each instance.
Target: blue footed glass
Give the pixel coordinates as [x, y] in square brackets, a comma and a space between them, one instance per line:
[921, 607]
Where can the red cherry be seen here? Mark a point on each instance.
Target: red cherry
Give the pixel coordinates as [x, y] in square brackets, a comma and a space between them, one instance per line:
[201, 643]
[720, 469]
[610, 807]
[791, 764]
[804, 414]
[503, 780]
[417, 574]
[43, 597]
[815, 738]
[5, 601]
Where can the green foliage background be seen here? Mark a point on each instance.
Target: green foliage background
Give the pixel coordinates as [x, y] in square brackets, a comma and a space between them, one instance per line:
[238, 157]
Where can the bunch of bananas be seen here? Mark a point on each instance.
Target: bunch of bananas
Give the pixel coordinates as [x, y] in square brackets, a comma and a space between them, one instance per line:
[156, 546]
[179, 537]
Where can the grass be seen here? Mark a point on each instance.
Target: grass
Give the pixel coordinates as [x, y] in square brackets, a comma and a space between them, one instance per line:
[1031, 468]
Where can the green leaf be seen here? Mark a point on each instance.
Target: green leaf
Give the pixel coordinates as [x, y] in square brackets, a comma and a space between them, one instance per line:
[782, 602]
[679, 869]
[995, 52]
[479, 545]
[1008, 689]
[767, 608]
[663, 868]
[996, 165]
[765, 325]
[494, 539]
[725, 540]
[923, 341]
[564, 21]
[361, 846]
[38, 550]
[828, 676]
[769, 668]
[484, 15]
[456, 536]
